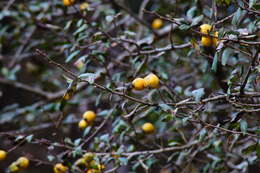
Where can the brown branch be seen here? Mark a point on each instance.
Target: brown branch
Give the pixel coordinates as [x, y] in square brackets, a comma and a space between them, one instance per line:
[249, 71]
[44, 94]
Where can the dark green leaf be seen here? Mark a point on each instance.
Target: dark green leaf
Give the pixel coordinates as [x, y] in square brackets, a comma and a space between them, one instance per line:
[226, 55]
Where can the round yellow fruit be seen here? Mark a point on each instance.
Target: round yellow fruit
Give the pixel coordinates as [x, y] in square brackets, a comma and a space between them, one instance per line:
[93, 171]
[23, 162]
[152, 81]
[138, 84]
[206, 41]
[81, 162]
[68, 2]
[101, 167]
[60, 168]
[2, 155]
[157, 23]
[83, 6]
[205, 28]
[13, 167]
[82, 124]
[88, 157]
[148, 128]
[89, 116]
[215, 40]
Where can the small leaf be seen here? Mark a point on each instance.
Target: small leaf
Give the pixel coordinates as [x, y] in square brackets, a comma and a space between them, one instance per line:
[252, 3]
[77, 141]
[123, 160]
[249, 149]
[225, 56]
[184, 27]
[198, 94]
[243, 126]
[72, 55]
[202, 133]
[165, 107]
[29, 138]
[90, 77]
[50, 158]
[86, 131]
[215, 63]
[196, 20]
[109, 19]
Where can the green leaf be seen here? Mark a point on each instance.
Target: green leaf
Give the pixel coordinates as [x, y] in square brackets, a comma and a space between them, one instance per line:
[243, 126]
[77, 141]
[191, 12]
[196, 20]
[86, 131]
[72, 55]
[123, 160]
[173, 143]
[202, 134]
[198, 94]
[215, 63]
[225, 56]
[252, 3]
[29, 138]
[249, 149]
[238, 16]
[165, 107]
[90, 77]
[184, 27]
[50, 158]
[80, 29]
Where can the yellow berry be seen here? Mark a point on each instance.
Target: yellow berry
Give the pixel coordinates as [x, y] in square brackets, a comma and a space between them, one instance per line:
[206, 41]
[23, 162]
[68, 2]
[2, 155]
[88, 157]
[82, 124]
[215, 40]
[83, 6]
[93, 171]
[148, 128]
[60, 168]
[205, 28]
[89, 116]
[157, 23]
[13, 167]
[93, 164]
[138, 84]
[79, 64]
[100, 167]
[152, 81]
[80, 162]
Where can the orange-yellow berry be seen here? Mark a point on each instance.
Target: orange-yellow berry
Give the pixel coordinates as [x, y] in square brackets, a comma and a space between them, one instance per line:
[157, 23]
[138, 84]
[205, 28]
[152, 81]
[148, 128]
[83, 6]
[206, 41]
[68, 2]
[93, 171]
[23, 162]
[88, 157]
[60, 168]
[13, 167]
[89, 116]
[82, 124]
[2, 155]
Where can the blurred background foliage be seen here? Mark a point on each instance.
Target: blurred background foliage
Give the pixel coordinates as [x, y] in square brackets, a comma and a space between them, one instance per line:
[109, 43]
